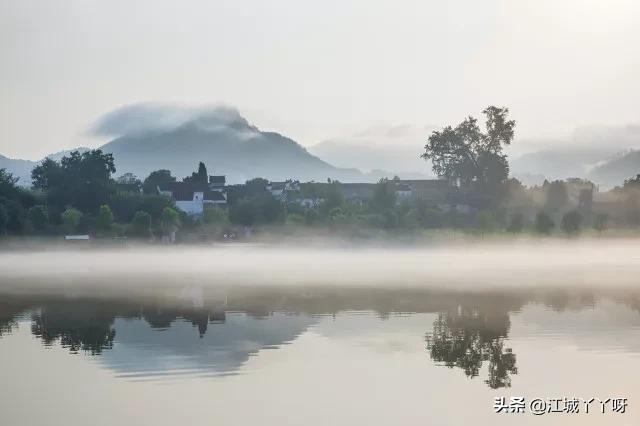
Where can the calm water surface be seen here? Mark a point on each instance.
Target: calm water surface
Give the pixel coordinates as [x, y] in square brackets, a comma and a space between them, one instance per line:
[320, 356]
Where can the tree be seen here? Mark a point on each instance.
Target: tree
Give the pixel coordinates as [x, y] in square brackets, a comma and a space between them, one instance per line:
[155, 179]
[141, 224]
[486, 220]
[467, 154]
[16, 202]
[129, 182]
[516, 223]
[71, 219]
[600, 222]
[384, 197]
[81, 180]
[4, 219]
[544, 223]
[201, 176]
[104, 220]
[571, 222]
[38, 218]
[243, 212]
[215, 215]
[170, 222]
[557, 195]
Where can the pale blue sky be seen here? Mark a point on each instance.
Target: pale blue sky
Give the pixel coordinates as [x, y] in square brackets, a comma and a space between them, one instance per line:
[316, 69]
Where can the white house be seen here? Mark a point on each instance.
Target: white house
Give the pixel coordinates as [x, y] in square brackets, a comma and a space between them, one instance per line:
[192, 198]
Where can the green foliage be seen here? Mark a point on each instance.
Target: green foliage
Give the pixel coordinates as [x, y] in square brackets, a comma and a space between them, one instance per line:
[4, 219]
[81, 180]
[16, 201]
[215, 216]
[201, 176]
[251, 188]
[104, 221]
[38, 218]
[571, 222]
[126, 204]
[556, 194]
[600, 222]
[169, 220]
[140, 225]
[486, 220]
[384, 197]
[516, 223]
[467, 154]
[71, 220]
[155, 179]
[261, 208]
[544, 223]
[333, 196]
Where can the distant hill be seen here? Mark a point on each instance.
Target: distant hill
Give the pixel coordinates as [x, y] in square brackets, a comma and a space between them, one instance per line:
[614, 171]
[394, 149]
[234, 148]
[225, 141]
[19, 168]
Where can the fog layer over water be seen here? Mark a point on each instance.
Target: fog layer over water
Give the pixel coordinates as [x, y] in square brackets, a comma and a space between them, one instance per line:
[461, 265]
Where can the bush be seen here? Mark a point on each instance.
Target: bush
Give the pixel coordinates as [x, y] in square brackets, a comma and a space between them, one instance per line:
[215, 215]
[571, 222]
[486, 220]
[71, 219]
[600, 222]
[104, 221]
[140, 225]
[516, 224]
[544, 223]
[38, 218]
[4, 219]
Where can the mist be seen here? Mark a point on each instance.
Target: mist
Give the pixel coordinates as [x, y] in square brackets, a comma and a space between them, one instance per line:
[475, 266]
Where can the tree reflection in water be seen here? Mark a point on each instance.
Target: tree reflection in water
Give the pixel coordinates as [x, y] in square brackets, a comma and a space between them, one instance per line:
[468, 338]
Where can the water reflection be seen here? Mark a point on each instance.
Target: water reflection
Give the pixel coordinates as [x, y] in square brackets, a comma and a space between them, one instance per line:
[470, 337]
[194, 331]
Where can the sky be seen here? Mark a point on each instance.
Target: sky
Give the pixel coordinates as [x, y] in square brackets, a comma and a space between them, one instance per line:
[316, 70]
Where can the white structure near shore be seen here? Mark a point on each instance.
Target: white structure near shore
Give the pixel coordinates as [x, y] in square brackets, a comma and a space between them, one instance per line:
[192, 197]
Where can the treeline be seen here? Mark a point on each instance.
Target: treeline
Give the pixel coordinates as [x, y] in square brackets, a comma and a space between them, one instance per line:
[77, 195]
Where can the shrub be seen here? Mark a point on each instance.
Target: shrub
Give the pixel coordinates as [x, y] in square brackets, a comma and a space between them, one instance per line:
[544, 223]
[571, 222]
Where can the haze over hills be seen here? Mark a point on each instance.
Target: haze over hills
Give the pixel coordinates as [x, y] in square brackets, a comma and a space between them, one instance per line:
[392, 148]
[151, 136]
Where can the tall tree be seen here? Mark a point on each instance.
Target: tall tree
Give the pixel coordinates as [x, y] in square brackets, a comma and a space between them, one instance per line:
[467, 154]
[155, 179]
[201, 176]
[82, 180]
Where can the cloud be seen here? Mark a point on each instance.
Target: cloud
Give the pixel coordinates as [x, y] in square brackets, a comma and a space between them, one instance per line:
[149, 117]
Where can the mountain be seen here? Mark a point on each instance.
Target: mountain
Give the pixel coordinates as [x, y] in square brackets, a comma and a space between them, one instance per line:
[151, 137]
[558, 163]
[220, 137]
[390, 150]
[19, 168]
[614, 171]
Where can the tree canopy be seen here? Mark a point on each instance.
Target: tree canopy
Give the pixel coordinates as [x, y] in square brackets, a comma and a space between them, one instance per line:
[82, 180]
[468, 154]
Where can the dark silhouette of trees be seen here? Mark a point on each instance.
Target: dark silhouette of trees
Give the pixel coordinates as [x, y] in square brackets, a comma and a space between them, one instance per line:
[140, 225]
[384, 197]
[79, 180]
[544, 223]
[571, 222]
[467, 154]
[155, 179]
[201, 176]
[556, 195]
